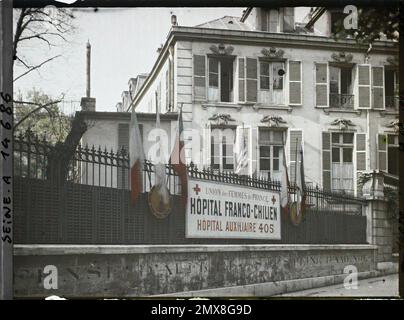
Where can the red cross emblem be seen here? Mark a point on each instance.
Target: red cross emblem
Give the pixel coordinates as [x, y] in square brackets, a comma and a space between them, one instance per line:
[197, 189]
[273, 200]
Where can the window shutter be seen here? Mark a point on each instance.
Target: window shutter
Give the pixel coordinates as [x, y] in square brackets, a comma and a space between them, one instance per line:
[199, 77]
[361, 151]
[360, 146]
[288, 19]
[264, 19]
[382, 152]
[123, 143]
[363, 100]
[252, 79]
[167, 90]
[378, 87]
[206, 145]
[295, 82]
[273, 20]
[241, 79]
[295, 142]
[326, 155]
[321, 84]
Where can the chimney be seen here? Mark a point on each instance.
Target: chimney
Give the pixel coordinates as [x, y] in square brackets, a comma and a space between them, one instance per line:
[119, 107]
[88, 103]
[174, 20]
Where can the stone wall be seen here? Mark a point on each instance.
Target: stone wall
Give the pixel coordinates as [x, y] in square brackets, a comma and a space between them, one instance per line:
[382, 230]
[129, 271]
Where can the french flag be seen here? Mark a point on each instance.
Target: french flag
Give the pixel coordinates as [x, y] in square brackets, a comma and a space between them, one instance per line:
[177, 160]
[137, 157]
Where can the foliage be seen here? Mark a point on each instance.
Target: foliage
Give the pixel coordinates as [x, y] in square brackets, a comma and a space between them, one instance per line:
[373, 24]
[33, 26]
[49, 123]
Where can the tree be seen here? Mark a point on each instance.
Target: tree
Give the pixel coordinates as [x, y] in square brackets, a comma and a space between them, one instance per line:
[373, 24]
[47, 25]
[40, 113]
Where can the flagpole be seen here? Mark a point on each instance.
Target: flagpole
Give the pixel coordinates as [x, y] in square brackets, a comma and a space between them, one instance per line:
[296, 162]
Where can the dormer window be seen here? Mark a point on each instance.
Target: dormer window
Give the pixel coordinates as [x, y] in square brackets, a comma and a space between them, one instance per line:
[278, 20]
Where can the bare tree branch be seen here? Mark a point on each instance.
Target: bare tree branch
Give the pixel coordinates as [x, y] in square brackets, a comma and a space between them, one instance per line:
[44, 106]
[35, 67]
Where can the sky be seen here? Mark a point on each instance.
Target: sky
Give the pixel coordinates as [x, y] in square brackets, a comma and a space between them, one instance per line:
[124, 43]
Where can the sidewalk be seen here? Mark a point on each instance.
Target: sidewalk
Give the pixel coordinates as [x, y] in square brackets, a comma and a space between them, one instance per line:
[386, 286]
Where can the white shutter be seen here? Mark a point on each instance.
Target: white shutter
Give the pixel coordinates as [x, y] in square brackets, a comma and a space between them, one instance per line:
[382, 152]
[378, 88]
[361, 161]
[241, 79]
[199, 74]
[362, 99]
[206, 146]
[326, 160]
[295, 82]
[295, 143]
[322, 85]
[251, 79]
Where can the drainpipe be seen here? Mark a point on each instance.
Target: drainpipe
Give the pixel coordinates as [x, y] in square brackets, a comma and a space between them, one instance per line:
[368, 139]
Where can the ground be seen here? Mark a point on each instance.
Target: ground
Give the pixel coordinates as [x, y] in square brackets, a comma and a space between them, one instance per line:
[386, 286]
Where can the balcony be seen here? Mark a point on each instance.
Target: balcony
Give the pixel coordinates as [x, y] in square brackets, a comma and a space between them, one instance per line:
[341, 101]
[392, 102]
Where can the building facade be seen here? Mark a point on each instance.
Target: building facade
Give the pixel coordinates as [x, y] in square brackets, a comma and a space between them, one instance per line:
[281, 86]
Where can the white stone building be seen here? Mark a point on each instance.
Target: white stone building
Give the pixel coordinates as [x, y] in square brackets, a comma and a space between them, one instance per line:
[279, 83]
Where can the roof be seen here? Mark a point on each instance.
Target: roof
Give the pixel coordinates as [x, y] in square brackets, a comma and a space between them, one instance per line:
[226, 22]
[125, 116]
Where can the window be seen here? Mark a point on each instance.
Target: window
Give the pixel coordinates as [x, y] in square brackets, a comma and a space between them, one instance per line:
[342, 161]
[270, 153]
[271, 82]
[388, 153]
[220, 74]
[341, 89]
[123, 146]
[337, 18]
[269, 20]
[391, 88]
[221, 149]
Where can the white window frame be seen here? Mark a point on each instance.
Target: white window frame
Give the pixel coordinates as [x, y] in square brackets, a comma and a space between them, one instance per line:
[270, 76]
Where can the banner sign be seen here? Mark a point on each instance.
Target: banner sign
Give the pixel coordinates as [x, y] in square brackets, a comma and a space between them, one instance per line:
[220, 210]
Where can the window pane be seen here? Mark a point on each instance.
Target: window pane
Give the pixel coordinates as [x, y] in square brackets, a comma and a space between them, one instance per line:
[215, 149]
[335, 154]
[265, 164]
[264, 83]
[276, 164]
[277, 151]
[277, 137]
[228, 163]
[335, 137]
[264, 68]
[348, 138]
[213, 80]
[227, 150]
[277, 79]
[265, 136]
[391, 139]
[393, 160]
[213, 65]
[265, 152]
[347, 155]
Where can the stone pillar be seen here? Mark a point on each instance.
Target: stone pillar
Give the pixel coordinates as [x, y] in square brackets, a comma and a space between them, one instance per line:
[380, 228]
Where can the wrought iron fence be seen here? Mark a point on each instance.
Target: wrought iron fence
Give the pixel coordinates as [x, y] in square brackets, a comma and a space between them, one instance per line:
[103, 168]
[343, 101]
[36, 158]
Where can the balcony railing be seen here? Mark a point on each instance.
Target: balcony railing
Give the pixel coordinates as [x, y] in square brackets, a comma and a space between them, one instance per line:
[342, 101]
[392, 102]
